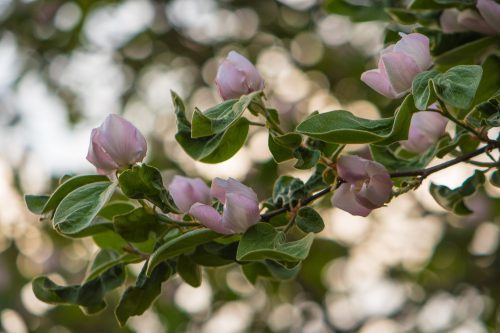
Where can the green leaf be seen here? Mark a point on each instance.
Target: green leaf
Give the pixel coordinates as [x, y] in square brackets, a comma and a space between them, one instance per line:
[68, 186]
[453, 200]
[495, 179]
[262, 241]
[288, 190]
[138, 298]
[189, 271]
[180, 245]
[211, 149]
[280, 271]
[36, 203]
[309, 220]
[465, 52]
[282, 146]
[136, 225]
[344, 127]
[89, 295]
[439, 4]
[220, 117]
[423, 90]
[255, 270]
[105, 259]
[268, 269]
[213, 254]
[79, 208]
[369, 11]
[392, 162]
[145, 182]
[116, 208]
[306, 157]
[457, 87]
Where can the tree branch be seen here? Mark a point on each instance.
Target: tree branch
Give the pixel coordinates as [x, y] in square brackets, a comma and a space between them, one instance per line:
[423, 173]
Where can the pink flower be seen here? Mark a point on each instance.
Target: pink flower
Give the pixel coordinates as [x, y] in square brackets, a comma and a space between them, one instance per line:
[485, 22]
[490, 11]
[241, 208]
[115, 144]
[367, 185]
[426, 128]
[398, 65]
[237, 76]
[188, 191]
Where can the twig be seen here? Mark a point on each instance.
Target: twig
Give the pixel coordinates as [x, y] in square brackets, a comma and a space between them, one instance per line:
[423, 173]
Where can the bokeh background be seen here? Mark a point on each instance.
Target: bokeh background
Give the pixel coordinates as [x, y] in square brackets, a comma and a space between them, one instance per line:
[65, 65]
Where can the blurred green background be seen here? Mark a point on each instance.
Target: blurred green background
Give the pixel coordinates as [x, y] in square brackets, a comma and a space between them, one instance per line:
[65, 65]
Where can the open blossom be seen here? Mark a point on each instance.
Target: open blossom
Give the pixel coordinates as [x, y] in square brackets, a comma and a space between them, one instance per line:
[237, 76]
[367, 185]
[188, 191]
[426, 128]
[115, 144]
[486, 21]
[241, 208]
[398, 65]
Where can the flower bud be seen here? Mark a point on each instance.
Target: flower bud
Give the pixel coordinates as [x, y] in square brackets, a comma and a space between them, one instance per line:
[426, 128]
[367, 185]
[188, 191]
[490, 11]
[241, 208]
[237, 76]
[115, 144]
[398, 65]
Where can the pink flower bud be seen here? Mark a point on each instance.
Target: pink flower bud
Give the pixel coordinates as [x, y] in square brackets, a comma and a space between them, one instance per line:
[367, 185]
[241, 208]
[490, 11]
[398, 65]
[426, 128]
[188, 191]
[115, 144]
[471, 20]
[449, 21]
[237, 76]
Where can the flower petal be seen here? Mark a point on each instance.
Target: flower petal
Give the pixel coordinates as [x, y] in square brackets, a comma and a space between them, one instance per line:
[187, 191]
[376, 192]
[344, 198]
[240, 213]
[351, 168]
[401, 69]
[490, 11]
[471, 20]
[415, 46]
[378, 81]
[209, 217]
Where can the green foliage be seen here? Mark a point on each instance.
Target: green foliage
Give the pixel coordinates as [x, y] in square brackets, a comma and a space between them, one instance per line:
[106, 259]
[219, 118]
[457, 87]
[453, 200]
[309, 220]
[136, 225]
[371, 11]
[288, 190]
[89, 295]
[344, 127]
[495, 178]
[79, 208]
[262, 242]
[282, 147]
[138, 298]
[189, 271]
[209, 149]
[145, 182]
[179, 245]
